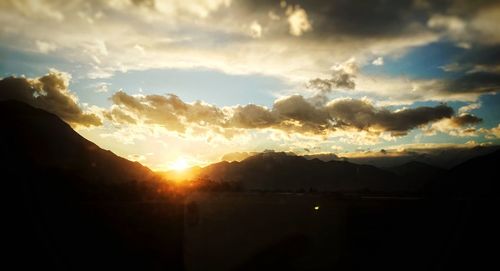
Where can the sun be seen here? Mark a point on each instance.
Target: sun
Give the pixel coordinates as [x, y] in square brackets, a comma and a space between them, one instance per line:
[180, 164]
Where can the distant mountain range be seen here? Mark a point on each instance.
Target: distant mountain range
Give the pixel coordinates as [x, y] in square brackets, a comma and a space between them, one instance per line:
[437, 156]
[280, 171]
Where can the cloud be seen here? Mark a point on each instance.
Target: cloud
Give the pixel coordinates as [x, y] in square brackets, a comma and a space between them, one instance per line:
[491, 133]
[467, 108]
[465, 119]
[45, 47]
[168, 111]
[291, 114]
[363, 115]
[379, 61]
[479, 82]
[49, 92]
[398, 90]
[485, 22]
[461, 125]
[342, 77]
[117, 115]
[252, 116]
[102, 87]
[298, 20]
[203, 32]
[452, 24]
[255, 29]
[452, 67]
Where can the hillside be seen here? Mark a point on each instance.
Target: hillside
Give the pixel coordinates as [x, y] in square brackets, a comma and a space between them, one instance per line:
[473, 178]
[35, 138]
[74, 206]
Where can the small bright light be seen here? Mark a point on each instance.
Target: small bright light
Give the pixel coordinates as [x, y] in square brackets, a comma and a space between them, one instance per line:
[316, 208]
[180, 165]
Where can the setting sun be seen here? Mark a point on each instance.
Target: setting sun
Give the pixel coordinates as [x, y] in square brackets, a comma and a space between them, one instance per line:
[180, 164]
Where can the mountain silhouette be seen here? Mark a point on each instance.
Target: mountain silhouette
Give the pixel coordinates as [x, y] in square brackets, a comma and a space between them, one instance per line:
[74, 206]
[34, 137]
[279, 171]
[471, 179]
[446, 157]
[417, 174]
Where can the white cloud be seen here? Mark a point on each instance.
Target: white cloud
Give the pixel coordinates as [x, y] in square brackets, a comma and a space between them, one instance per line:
[491, 133]
[452, 67]
[379, 61]
[255, 29]
[468, 108]
[102, 87]
[45, 47]
[298, 20]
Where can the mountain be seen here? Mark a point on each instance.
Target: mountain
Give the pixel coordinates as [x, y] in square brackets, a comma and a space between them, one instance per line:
[477, 177]
[417, 174]
[284, 172]
[41, 149]
[445, 157]
[74, 206]
[34, 137]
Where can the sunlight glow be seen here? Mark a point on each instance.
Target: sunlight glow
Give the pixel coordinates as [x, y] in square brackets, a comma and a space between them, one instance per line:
[180, 164]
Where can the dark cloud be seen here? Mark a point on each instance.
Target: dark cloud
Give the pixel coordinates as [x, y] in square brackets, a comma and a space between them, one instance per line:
[342, 77]
[339, 80]
[465, 119]
[252, 116]
[363, 115]
[297, 108]
[366, 19]
[144, 3]
[477, 71]
[485, 55]
[290, 114]
[51, 93]
[476, 82]
[363, 18]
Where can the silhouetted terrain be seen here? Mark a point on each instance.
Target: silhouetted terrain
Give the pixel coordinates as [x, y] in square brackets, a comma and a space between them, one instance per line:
[416, 174]
[476, 178]
[445, 158]
[284, 231]
[74, 206]
[275, 171]
[279, 171]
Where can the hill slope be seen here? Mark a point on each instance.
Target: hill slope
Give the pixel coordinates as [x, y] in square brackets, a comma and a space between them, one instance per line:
[476, 177]
[35, 138]
[74, 206]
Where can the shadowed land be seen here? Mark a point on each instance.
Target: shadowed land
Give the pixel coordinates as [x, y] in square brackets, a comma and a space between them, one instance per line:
[74, 206]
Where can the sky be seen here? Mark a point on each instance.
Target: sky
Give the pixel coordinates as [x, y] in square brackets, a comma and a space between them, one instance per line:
[169, 82]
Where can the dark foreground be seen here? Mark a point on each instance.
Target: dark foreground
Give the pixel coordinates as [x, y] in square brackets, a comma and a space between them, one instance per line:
[231, 231]
[253, 231]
